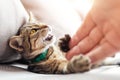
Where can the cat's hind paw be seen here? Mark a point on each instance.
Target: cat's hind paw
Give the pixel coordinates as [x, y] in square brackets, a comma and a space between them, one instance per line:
[80, 63]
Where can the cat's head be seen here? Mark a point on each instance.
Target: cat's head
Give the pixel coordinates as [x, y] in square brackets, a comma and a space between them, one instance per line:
[33, 38]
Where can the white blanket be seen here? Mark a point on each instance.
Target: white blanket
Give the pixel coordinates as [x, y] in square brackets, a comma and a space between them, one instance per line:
[11, 72]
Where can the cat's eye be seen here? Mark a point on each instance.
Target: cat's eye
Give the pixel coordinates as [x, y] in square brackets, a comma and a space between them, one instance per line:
[33, 31]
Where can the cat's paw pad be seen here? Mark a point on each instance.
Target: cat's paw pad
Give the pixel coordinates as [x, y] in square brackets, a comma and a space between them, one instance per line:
[81, 63]
[64, 43]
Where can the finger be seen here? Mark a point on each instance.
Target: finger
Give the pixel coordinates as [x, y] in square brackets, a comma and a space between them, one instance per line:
[83, 31]
[87, 43]
[90, 41]
[101, 52]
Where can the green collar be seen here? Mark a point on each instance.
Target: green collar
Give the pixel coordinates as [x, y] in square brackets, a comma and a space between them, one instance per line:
[40, 57]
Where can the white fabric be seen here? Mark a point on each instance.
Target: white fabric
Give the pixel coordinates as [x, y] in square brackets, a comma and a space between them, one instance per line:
[12, 17]
[19, 72]
[102, 73]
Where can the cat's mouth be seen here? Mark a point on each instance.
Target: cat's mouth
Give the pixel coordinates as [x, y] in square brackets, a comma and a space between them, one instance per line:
[48, 37]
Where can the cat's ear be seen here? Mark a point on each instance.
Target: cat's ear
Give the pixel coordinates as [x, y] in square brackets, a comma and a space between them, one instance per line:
[32, 18]
[16, 43]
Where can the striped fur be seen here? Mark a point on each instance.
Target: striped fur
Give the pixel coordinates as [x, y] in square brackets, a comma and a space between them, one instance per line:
[33, 39]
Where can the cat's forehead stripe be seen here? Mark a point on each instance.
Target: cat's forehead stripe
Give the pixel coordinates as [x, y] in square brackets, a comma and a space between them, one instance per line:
[35, 26]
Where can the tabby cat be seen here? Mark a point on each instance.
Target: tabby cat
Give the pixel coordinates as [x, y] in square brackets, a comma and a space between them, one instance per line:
[36, 45]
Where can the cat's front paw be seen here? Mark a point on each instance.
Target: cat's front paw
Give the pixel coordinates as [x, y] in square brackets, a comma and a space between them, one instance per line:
[64, 43]
[80, 63]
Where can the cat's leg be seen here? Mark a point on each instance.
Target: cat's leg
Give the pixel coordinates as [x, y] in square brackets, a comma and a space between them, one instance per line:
[79, 63]
[34, 68]
[49, 67]
[41, 69]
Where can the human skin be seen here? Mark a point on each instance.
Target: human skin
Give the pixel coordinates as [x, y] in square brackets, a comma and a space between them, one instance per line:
[99, 35]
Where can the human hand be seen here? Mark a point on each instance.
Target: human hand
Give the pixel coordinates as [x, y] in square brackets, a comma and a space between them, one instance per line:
[99, 35]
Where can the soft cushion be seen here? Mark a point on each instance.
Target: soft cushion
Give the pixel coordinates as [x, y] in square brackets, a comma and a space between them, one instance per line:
[12, 16]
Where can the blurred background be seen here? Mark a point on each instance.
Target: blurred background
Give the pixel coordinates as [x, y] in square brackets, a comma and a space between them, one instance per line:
[64, 16]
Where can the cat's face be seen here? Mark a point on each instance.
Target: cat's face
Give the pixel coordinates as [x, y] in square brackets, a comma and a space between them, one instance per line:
[33, 39]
